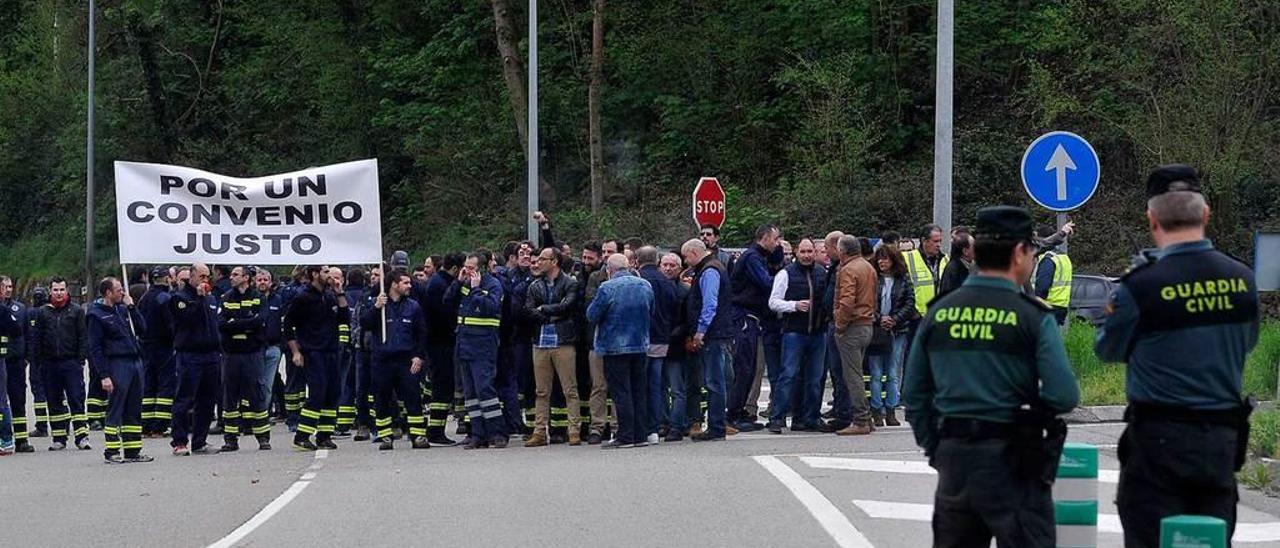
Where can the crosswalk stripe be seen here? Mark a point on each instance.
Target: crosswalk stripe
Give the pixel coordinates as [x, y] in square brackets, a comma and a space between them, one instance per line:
[819, 506]
[1107, 523]
[905, 467]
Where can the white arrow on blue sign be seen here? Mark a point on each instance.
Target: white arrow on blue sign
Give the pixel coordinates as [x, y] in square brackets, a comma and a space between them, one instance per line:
[1060, 170]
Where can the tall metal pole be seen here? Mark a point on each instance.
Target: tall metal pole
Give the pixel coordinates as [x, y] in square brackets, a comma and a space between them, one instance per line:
[942, 120]
[532, 155]
[1062, 220]
[88, 197]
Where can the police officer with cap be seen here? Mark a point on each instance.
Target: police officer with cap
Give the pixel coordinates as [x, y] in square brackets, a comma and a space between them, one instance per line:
[987, 374]
[1183, 319]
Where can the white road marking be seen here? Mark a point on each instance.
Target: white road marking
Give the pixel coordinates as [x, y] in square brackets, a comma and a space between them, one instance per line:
[905, 466]
[272, 508]
[870, 465]
[845, 453]
[832, 520]
[262, 516]
[1107, 523]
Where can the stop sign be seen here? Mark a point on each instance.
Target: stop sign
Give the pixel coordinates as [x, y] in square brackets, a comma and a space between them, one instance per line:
[708, 202]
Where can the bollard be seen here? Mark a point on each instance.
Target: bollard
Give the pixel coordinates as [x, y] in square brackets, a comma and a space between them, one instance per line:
[1193, 532]
[1075, 497]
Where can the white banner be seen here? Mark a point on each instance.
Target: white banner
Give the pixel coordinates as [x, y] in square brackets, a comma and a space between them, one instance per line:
[320, 215]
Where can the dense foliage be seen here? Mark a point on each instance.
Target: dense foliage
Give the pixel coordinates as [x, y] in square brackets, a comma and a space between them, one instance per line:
[818, 114]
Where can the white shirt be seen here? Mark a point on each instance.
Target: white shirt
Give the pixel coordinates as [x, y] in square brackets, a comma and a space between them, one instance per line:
[777, 303]
[886, 295]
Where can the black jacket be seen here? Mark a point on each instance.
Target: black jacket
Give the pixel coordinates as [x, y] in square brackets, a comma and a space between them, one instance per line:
[680, 329]
[240, 321]
[59, 334]
[11, 327]
[406, 329]
[195, 321]
[442, 317]
[953, 276]
[666, 304]
[111, 335]
[313, 319]
[554, 303]
[902, 300]
[15, 342]
[154, 307]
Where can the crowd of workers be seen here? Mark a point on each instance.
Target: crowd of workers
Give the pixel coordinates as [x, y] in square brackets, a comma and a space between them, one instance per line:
[624, 346]
[507, 344]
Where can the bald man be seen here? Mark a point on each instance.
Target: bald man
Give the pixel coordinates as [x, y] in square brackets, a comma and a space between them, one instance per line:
[197, 341]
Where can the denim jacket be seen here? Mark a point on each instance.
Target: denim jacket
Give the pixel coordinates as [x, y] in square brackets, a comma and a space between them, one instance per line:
[621, 313]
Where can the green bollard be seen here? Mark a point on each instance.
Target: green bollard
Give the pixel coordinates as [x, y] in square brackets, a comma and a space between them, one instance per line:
[1075, 497]
[1193, 532]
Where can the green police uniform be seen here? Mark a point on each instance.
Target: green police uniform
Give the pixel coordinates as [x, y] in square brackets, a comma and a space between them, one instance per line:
[1184, 321]
[983, 353]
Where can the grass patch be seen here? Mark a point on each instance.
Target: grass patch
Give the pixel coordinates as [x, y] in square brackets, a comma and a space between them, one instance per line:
[1264, 432]
[1103, 383]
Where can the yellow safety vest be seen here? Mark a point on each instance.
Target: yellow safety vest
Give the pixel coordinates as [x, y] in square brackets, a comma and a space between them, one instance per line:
[926, 284]
[1060, 291]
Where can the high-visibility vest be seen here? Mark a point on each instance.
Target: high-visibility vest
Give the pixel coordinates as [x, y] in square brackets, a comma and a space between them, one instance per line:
[1060, 291]
[926, 283]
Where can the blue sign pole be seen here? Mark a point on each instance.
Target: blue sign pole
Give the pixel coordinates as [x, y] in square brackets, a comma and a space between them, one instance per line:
[1060, 171]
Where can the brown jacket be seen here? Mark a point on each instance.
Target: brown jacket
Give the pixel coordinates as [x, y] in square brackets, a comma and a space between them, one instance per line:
[855, 293]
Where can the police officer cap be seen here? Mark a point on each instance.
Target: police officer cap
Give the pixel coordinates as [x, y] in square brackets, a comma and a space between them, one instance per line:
[1171, 178]
[1005, 223]
[159, 272]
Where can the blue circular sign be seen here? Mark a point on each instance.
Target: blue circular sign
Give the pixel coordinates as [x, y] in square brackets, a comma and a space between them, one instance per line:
[1060, 171]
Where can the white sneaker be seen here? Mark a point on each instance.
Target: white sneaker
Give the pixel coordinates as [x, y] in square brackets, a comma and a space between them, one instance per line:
[653, 439]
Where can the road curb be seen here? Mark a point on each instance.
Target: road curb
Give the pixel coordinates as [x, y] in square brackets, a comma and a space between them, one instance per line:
[1097, 414]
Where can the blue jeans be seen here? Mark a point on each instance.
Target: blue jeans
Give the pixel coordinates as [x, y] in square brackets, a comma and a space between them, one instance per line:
[717, 372]
[803, 355]
[657, 396]
[841, 403]
[270, 362]
[888, 364]
[744, 368]
[6, 419]
[627, 376]
[677, 417]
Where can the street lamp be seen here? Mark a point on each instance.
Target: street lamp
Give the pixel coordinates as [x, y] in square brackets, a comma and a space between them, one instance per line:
[88, 197]
[531, 155]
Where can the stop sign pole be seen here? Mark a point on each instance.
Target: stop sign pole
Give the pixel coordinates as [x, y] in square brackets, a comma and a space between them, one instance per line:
[708, 202]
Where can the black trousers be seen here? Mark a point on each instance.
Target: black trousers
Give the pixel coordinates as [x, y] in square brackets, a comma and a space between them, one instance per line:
[441, 372]
[16, 386]
[242, 405]
[980, 496]
[319, 415]
[159, 386]
[64, 385]
[122, 427]
[198, 376]
[391, 377]
[1171, 468]
[95, 403]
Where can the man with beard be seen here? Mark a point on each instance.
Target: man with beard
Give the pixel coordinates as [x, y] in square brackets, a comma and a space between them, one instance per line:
[312, 324]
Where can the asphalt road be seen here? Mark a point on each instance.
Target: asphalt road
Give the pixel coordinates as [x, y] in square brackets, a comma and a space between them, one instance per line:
[756, 489]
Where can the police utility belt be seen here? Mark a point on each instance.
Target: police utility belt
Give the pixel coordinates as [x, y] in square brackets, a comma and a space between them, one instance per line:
[975, 429]
[1235, 417]
[1035, 437]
